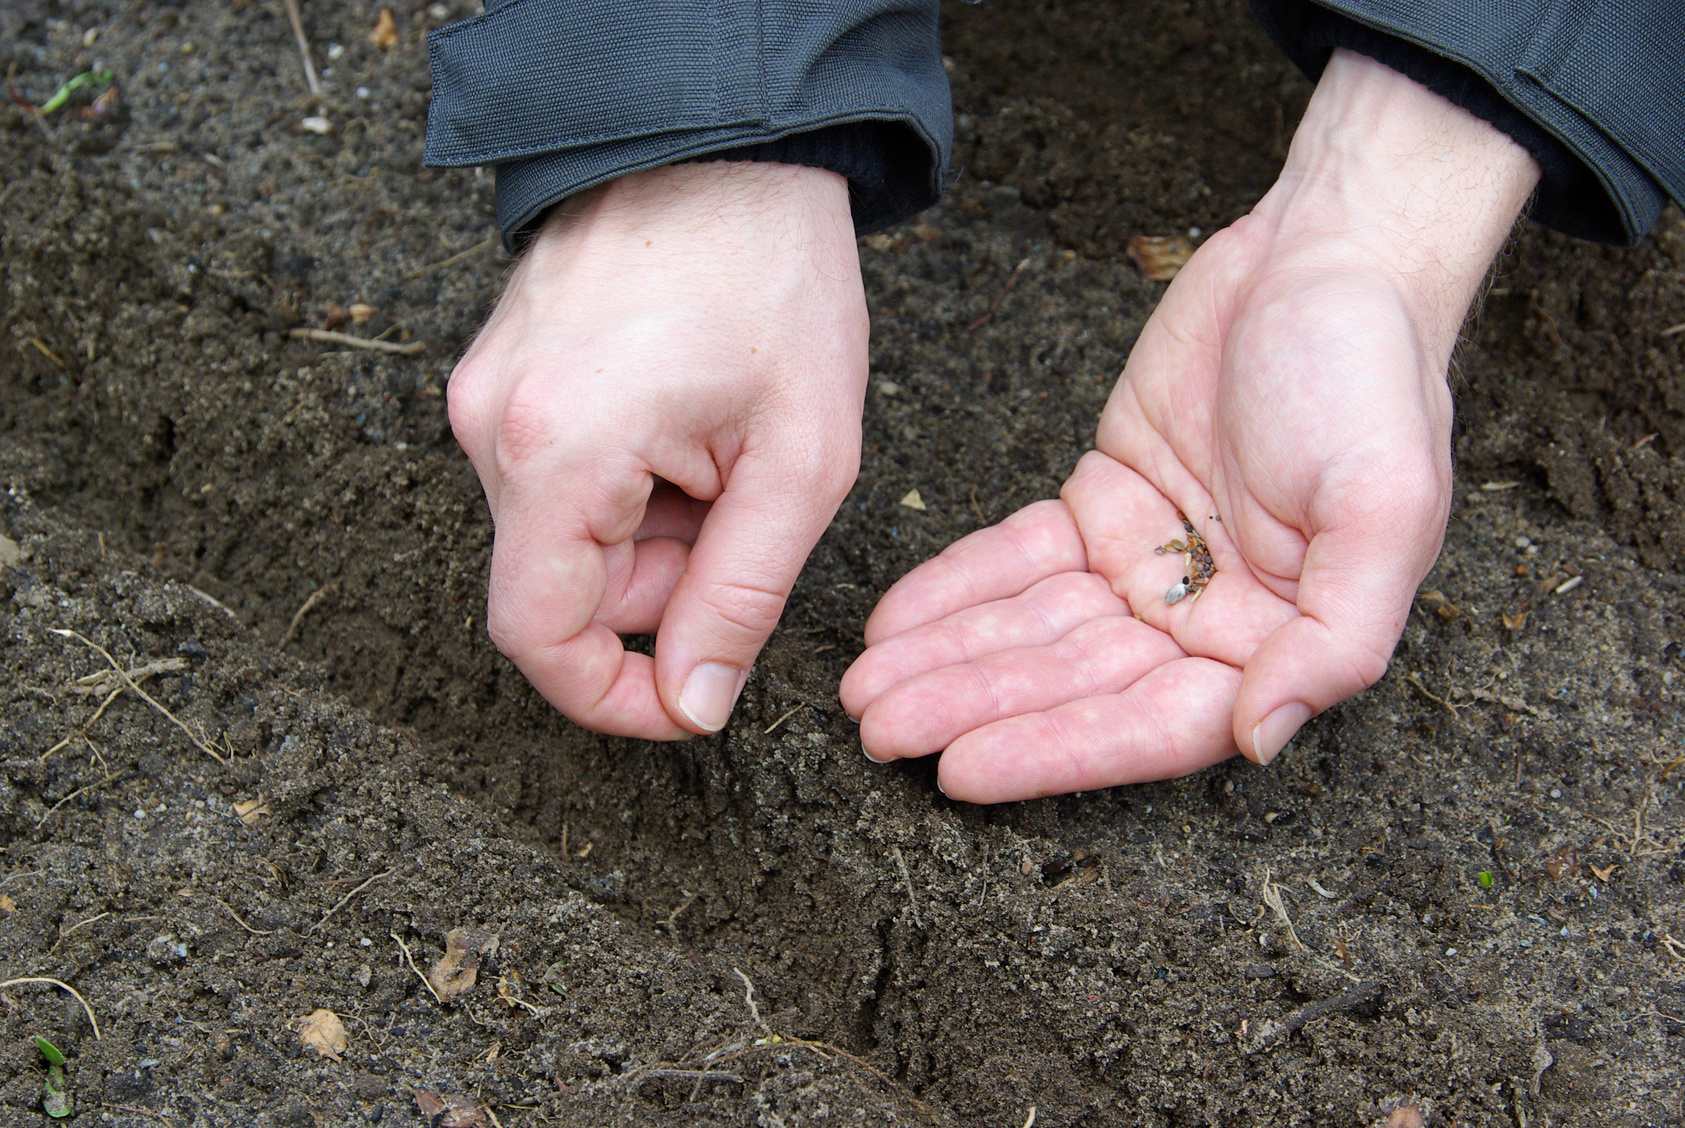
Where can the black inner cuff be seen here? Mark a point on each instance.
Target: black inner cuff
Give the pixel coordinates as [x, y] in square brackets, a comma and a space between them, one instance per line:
[886, 164]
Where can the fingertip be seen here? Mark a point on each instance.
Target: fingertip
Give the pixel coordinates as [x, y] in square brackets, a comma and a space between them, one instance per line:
[1276, 731]
[709, 694]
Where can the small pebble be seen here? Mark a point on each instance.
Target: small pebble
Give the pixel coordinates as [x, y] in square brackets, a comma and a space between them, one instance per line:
[320, 126]
[1523, 541]
[336, 51]
[1556, 793]
[438, 10]
[363, 92]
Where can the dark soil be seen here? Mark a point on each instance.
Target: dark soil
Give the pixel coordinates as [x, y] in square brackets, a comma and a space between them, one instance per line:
[182, 477]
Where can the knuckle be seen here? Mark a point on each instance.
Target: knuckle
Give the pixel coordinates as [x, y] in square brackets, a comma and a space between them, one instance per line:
[750, 609]
[525, 428]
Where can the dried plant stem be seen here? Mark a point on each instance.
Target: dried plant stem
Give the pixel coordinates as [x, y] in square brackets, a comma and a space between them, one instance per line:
[92, 1021]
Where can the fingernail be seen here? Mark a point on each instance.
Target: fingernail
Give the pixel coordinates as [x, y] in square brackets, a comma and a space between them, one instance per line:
[709, 693]
[1275, 730]
[868, 754]
[851, 716]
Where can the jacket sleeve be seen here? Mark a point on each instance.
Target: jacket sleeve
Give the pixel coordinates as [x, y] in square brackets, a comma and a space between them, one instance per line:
[1594, 89]
[561, 95]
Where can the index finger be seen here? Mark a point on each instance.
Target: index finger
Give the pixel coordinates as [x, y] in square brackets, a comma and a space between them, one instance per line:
[548, 577]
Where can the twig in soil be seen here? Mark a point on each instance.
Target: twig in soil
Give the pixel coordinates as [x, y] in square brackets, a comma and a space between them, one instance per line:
[65, 933]
[424, 981]
[298, 616]
[346, 900]
[454, 259]
[749, 1001]
[1674, 330]
[303, 46]
[1030, 1120]
[242, 923]
[989, 313]
[1270, 1031]
[41, 346]
[782, 719]
[214, 602]
[1272, 898]
[92, 1021]
[328, 336]
[906, 875]
[79, 791]
[129, 683]
[672, 921]
[1429, 694]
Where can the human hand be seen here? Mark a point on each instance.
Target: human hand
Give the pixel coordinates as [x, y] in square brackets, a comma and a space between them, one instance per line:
[1289, 396]
[664, 410]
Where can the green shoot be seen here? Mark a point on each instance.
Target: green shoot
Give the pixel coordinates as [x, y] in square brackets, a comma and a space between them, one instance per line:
[49, 1051]
[86, 78]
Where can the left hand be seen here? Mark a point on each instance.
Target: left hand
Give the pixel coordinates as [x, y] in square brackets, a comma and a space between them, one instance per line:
[1288, 395]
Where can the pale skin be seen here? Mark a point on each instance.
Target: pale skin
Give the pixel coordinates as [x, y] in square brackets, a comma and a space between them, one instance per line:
[1288, 394]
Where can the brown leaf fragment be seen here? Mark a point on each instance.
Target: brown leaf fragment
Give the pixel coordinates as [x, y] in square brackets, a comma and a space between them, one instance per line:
[1159, 258]
[252, 810]
[466, 949]
[1406, 1116]
[449, 1110]
[385, 32]
[1564, 863]
[7, 906]
[1605, 873]
[1436, 602]
[360, 312]
[324, 1032]
[1515, 622]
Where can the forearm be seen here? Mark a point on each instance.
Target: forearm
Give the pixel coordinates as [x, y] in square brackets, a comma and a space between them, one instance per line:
[1386, 167]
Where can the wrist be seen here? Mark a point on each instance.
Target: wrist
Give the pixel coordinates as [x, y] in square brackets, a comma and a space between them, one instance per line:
[1385, 170]
[733, 200]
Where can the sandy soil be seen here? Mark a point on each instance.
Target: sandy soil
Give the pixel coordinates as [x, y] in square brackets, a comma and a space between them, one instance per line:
[182, 477]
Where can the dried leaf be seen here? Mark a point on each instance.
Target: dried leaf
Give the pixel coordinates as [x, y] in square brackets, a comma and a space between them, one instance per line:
[448, 1110]
[252, 809]
[385, 33]
[1515, 622]
[913, 501]
[1159, 258]
[9, 551]
[1565, 863]
[324, 1032]
[1605, 873]
[1447, 611]
[1406, 1116]
[7, 906]
[360, 312]
[465, 951]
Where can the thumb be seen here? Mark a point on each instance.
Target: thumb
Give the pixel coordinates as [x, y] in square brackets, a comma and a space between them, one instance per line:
[745, 560]
[1354, 595]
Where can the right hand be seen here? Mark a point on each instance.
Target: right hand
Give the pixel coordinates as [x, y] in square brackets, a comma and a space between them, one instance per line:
[664, 411]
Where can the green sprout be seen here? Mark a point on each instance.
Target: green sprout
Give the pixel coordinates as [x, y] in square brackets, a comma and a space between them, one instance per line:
[1486, 879]
[86, 78]
[56, 1100]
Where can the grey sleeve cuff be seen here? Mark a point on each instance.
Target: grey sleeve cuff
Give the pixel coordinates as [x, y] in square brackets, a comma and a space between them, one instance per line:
[1596, 79]
[562, 95]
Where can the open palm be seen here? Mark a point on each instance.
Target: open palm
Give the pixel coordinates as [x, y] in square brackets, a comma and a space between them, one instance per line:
[1284, 398]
